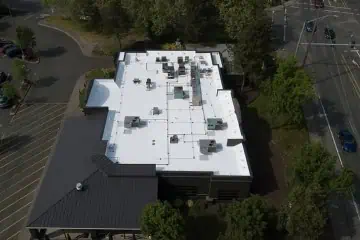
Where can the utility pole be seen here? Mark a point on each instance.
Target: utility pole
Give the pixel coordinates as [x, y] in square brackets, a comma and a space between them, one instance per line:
[311, 40]
[285, 20]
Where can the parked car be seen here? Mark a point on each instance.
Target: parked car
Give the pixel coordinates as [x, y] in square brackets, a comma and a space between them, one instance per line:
[5, 42]
[319, 3]
[4, 101]
[6, 46]
[4, 77]
[329, 33]
[309, 26]
[347, 140]
[14, 52]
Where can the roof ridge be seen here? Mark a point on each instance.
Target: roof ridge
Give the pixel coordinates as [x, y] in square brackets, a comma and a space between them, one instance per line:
[53, 205]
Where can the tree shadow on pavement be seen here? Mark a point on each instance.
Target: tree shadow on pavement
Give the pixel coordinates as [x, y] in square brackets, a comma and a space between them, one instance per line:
[258, 136]
[52, 52]
[13, 143]
[45, 82]
[277, 33]
[316, 122]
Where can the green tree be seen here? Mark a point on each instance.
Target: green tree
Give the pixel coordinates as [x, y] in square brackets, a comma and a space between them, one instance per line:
[249, 219]
[25, 37]
[162, 222]
[304, 214]
[86, 13]
[9, 91]
[115, 19]
[19, 71]
[139, 12]
[247, 22]
[315, 165]
[290, 89]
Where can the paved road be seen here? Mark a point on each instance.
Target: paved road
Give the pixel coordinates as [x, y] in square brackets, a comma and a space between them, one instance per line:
[29, 136]
[337, 83]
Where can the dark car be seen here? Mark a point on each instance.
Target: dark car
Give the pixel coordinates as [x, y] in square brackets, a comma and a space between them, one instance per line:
[329, 33]
[14, 52]
[347, 141]
[309, 26]
[6, 46]
[4, 101]
[5, 42]
[4, 77]
[319, 3]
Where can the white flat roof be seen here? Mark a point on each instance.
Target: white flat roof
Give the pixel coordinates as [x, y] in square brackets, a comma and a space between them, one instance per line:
[150, 143]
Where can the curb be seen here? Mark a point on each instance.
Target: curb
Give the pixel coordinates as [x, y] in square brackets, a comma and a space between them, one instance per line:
[280, 7]
[69, 35]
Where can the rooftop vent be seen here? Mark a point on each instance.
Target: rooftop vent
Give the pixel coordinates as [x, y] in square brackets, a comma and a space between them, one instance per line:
[163, 59]
[165, 67]
[182, 70]
[180, 60]
[187, 59]
[79, 187]
[215, 124]
[171, 72]
[131, 121]
[148, 84]
[174, 139]
[207, 146]
[158, 59]
[156, 111]
[137, 81]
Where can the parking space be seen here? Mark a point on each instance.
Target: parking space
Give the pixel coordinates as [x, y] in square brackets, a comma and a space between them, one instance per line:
[24, 150]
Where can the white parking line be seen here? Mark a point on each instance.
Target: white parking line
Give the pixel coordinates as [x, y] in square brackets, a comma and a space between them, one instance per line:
[13, 224]
[36, 180]
[27, 153]
[27, 176]
[37, 162]
[29, 16]
[37, 108]
[1, 220]
[329, 1]
[27, 160]
[1, 210]
[14, 235]
[27, 144]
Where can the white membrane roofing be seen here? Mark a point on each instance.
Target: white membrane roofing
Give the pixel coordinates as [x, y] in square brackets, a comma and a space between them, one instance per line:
[150, 143]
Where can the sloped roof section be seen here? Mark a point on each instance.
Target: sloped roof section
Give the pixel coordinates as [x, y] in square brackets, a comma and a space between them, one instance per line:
[70, 162]
[104, 203]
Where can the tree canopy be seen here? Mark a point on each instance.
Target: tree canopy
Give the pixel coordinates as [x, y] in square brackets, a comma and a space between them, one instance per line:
[25, 37]
[315, 165]
[249, 219]
[162, 222]
[19, 70]
[304, 214]
[9, 90]
[290, 88]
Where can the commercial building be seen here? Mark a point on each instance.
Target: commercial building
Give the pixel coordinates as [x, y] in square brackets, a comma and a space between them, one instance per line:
[164, 128]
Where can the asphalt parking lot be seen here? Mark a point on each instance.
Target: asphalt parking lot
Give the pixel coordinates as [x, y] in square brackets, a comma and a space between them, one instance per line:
[24, 151]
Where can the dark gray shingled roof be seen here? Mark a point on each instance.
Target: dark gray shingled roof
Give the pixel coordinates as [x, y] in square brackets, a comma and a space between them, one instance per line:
[106, 202]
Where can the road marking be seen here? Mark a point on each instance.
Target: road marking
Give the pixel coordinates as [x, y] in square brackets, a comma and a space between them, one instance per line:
[27, 152]
[335, 7]
[15, 212]
[36, 180]
[13, 224]
[14, 235]
[29, 16]
[27, 108]
[336, 148]
[18, 200]
[332, 11]
[27, 176]
[329, 3]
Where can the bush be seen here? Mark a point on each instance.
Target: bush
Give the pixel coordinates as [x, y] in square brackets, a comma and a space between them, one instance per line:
[100, 73]
[9, 91]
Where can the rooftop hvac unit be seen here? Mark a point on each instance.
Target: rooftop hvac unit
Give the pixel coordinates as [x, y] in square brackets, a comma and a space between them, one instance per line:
[131, 121]
[137, 81]
[215, 124]
[165, 67]
[163, 59]
[179, 93]
[180, 60]
[157, 59]
[174, 139]
[207, 146]
[148, 84]
[187, 59]
[156, 111]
